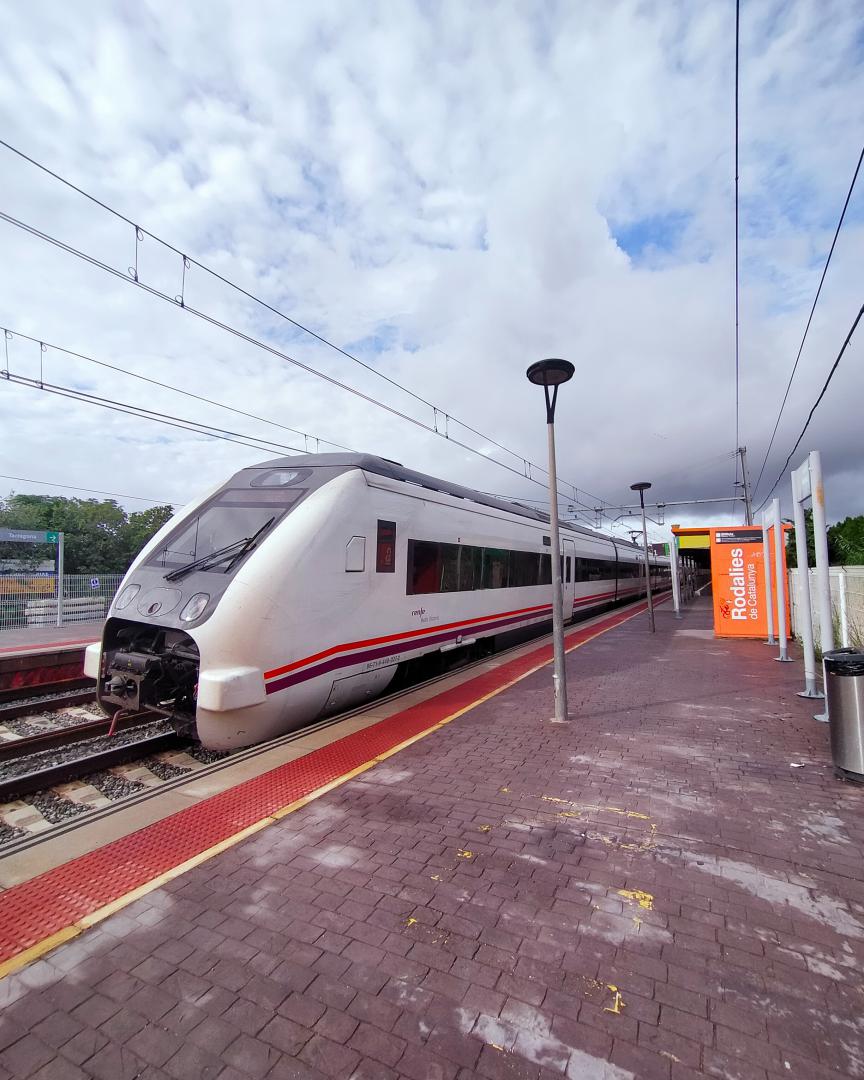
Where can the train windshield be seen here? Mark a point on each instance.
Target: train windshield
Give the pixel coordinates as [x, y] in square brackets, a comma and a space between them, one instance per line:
[229, 525]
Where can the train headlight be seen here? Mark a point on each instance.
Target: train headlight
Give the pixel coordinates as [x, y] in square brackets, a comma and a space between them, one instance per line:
[126, 597]
[195, 608]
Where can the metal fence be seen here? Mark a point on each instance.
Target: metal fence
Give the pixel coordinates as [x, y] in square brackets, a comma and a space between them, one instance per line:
[31, 599]
[847, 603]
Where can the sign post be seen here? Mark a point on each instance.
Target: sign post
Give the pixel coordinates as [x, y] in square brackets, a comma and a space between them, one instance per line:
[801, 491]
[38, 536]
[780, 581]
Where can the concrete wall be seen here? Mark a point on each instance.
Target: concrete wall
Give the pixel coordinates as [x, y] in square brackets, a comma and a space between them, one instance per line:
[843, 578]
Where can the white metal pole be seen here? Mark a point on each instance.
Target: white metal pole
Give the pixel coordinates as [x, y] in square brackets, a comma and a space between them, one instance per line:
[844, 614]
[560, 673]
[676, 584]
[820, 542]
[647, 564]
[805, 615]
[779, 583]
[60, 579]
[769, 592]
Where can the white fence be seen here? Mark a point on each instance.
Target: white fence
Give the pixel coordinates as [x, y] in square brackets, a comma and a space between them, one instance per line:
[31, 599]
[847, 603]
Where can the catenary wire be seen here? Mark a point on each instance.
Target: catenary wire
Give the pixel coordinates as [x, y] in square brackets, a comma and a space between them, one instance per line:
[92, 491]
[810, 319]
[188, 260]
[174, 389]
[258, 343]
[834, 367]
[194, 426]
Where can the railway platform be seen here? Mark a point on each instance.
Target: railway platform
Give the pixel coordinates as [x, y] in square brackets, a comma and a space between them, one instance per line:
[671, 885]
[49, 638]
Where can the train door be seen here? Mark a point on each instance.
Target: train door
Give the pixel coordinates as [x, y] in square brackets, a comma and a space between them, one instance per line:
[568, 576]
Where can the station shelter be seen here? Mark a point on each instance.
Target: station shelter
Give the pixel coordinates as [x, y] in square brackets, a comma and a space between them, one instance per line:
[735, 557]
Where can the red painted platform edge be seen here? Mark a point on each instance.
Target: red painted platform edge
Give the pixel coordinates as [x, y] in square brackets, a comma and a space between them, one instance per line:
[45, 646]
[39, 908]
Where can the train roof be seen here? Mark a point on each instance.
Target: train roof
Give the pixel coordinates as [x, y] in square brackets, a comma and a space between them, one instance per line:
[394, 471]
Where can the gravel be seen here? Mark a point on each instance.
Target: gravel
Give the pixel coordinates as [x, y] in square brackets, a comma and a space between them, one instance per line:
[113, 786]
[83, 749]
[207, 757]
[52, 720]
[8, 833]
[53, 807]
[164, 770]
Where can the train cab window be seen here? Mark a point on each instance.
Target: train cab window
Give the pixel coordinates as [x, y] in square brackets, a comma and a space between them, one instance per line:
[355, 555]
[385, 559]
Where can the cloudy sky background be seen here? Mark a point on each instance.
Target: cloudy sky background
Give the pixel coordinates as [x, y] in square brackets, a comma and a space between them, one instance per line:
[449, 192]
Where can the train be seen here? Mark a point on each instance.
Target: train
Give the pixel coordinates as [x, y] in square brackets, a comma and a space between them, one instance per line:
[305, 585]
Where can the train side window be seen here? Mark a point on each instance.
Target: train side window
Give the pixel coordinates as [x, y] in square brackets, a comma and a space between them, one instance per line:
[385, 560]
[569, 568]
[424, 567]
[449, 568]
[545, 570]
[496, 568]
[355, 555]
[470, 568]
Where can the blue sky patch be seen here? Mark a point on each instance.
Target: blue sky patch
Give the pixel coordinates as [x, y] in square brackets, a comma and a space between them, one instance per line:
[661, 232]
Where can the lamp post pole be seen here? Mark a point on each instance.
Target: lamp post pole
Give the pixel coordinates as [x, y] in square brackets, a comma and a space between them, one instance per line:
[642, 488]
[550, 374]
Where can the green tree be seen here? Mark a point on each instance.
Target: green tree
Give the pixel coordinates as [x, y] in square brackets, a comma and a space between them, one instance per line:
[99, 536]
[846, 542]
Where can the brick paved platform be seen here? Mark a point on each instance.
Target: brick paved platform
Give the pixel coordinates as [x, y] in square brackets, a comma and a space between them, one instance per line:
[651, 891]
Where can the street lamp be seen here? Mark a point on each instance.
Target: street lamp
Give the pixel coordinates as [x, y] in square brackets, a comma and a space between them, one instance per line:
[552, 373]
[642, 488]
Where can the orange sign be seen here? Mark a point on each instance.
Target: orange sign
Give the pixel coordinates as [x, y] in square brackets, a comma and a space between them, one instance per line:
[738, 582]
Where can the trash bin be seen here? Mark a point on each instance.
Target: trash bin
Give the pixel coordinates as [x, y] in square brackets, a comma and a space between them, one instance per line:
[844, 691]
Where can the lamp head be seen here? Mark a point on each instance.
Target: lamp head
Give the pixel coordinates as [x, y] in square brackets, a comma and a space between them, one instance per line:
[550, 372]
[643, 486]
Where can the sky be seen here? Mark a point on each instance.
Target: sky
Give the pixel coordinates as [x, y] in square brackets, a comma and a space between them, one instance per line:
[448, 192]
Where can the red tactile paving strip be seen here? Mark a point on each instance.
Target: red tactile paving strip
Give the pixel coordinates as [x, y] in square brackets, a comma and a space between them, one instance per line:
[36, 909]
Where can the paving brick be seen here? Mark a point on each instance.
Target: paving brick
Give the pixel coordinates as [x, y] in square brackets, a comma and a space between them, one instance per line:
[285, 1035]
[370, 1042]
[329, 1057]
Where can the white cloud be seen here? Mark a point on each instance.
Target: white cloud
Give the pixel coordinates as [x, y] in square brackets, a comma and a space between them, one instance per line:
[442, 187]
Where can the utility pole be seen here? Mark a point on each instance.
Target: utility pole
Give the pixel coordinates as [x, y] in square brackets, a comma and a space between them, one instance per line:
[745, 481]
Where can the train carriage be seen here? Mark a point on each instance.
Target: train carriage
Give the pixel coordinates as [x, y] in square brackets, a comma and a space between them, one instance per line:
[304, 585]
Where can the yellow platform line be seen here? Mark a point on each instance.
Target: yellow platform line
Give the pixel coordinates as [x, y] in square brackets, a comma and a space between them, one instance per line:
[60, 937]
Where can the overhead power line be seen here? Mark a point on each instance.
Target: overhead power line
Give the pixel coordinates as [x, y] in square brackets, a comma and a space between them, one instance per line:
[834, 367]
[193, 426]
[810, 319]
[188, 262]
[258, 343]
[168, 386]
[91, 491]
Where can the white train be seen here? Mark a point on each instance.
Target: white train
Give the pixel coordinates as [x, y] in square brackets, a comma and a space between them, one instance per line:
[303, 585]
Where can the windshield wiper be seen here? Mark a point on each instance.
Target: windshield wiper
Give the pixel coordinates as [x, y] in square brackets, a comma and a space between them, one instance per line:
[236, 550]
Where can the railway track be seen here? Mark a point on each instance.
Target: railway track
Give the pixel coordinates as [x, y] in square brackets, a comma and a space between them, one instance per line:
[31, 767]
